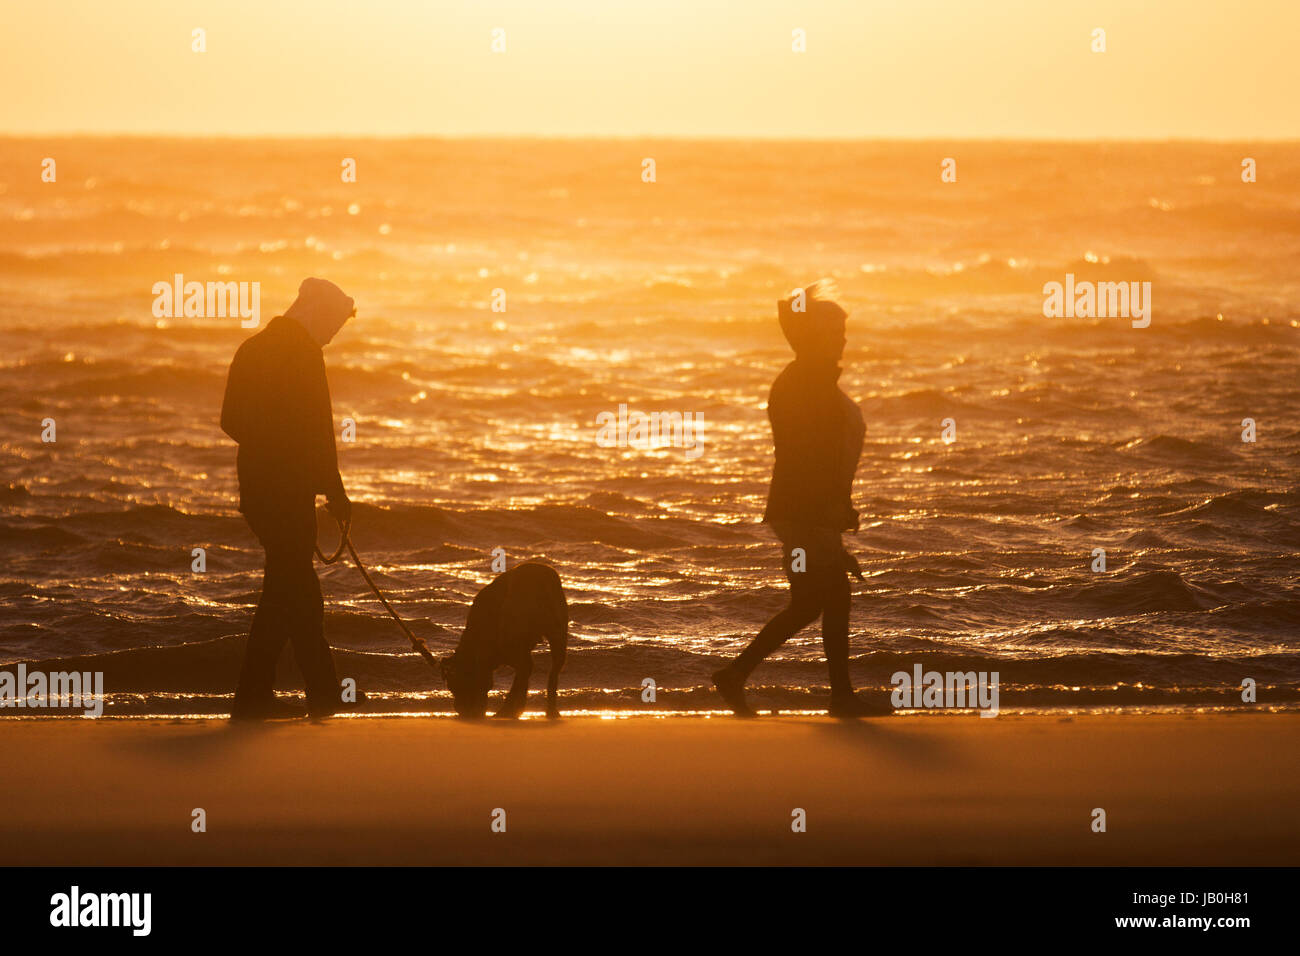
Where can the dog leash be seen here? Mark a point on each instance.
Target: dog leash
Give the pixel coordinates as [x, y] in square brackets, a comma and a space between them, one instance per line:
[345, 543]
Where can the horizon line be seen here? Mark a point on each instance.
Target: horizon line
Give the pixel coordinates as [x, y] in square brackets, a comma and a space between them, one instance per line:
[634, 137]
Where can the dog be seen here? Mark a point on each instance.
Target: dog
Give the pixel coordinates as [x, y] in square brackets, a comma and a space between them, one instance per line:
[508, 618]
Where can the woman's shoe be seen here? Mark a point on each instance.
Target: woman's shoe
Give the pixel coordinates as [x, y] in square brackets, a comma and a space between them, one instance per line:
[732, 688]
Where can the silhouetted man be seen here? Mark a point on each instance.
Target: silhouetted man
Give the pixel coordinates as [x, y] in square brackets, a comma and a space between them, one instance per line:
[277, 406]
[817, 431]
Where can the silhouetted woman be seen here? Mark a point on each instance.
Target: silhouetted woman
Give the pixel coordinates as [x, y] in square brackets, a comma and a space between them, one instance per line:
[818, 432]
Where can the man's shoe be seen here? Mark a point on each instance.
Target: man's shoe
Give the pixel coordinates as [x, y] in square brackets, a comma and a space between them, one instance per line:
[850, 706]
[732, 688]
[268, 709]
[330, 708]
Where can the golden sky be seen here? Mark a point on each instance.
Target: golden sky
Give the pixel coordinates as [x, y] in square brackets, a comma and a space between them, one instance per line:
[1217, 69]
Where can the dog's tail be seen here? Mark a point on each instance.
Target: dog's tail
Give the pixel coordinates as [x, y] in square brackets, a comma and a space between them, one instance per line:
[559, 611]
[561, 608]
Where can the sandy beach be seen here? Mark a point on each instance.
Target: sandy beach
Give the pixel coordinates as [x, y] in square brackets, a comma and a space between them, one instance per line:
[1185, 789]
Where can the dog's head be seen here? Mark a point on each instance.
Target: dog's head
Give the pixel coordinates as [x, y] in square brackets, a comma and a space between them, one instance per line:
[469, 686]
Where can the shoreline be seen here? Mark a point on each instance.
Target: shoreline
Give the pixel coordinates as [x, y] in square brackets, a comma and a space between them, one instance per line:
[1189, 789]
[1062, 712]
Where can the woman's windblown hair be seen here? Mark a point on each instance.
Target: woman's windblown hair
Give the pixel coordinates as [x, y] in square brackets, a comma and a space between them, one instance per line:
[809, 313]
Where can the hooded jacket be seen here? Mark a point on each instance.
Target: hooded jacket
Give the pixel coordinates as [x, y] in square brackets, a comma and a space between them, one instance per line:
[818, 432]
[277, 407]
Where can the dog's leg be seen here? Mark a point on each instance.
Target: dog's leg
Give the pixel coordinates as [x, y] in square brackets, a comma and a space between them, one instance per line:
[518, 696]
[559, 644]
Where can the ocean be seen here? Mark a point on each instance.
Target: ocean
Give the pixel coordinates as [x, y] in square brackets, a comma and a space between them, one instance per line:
[476, 428]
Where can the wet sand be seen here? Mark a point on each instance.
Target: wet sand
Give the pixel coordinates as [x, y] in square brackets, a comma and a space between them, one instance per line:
[1177, 790]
